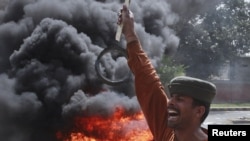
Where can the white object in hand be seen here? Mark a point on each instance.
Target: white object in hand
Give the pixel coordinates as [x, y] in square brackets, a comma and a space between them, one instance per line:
[119, 29]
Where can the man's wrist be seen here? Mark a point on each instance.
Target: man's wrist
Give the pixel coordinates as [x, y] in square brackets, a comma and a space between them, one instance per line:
[131, 38]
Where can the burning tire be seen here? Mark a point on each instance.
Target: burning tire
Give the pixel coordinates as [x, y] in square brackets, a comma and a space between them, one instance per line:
[111, 66]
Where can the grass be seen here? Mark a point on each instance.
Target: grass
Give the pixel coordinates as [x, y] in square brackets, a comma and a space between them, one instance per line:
[228, 105]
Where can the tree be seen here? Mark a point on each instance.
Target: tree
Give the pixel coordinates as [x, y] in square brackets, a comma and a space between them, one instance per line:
[214, 37]
[169, 69]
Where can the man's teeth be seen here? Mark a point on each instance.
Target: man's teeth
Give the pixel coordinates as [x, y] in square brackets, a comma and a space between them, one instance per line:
[172, 112]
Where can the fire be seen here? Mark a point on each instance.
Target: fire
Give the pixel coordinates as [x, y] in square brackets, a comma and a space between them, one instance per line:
[117, 127]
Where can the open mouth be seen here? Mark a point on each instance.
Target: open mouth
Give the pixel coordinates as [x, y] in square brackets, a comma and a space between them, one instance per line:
[173, 114]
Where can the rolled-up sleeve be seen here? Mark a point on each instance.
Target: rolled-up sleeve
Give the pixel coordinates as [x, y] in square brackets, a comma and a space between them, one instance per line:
[149, 89]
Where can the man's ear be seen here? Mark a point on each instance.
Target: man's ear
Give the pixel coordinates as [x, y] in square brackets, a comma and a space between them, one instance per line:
[200, 110]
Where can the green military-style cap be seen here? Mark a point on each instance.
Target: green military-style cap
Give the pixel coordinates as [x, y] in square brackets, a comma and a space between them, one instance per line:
[196, 88]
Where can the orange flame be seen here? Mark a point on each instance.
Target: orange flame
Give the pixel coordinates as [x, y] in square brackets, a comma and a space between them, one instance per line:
[118, 127]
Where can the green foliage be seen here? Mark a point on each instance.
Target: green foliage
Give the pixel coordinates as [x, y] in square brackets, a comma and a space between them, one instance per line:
[214, 37]
[169, 69]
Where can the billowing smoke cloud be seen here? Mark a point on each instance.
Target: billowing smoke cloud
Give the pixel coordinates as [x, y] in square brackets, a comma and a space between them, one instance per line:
[48, 50]
[188, 8]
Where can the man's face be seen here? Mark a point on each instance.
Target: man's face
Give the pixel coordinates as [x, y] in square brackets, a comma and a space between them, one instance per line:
[181, 112]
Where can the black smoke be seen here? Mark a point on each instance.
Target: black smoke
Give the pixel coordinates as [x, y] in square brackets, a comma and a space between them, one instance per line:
[48, 49]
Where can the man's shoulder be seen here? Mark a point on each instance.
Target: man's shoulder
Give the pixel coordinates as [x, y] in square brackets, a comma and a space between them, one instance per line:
[204, 130]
